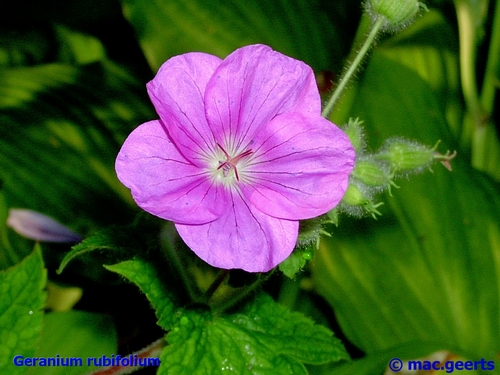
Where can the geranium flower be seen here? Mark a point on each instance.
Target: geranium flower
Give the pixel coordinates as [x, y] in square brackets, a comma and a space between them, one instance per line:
[239, 155]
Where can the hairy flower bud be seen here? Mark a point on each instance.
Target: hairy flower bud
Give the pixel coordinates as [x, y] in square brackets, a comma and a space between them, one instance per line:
[373, 173]
[358, 202]
[404, 156]
[356, 134]
[395, 14]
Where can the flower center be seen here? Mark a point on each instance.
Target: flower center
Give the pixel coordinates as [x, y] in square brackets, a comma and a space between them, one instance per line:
[231, 161]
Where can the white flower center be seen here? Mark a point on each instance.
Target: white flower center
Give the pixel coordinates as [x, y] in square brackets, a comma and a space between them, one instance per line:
[225, 169]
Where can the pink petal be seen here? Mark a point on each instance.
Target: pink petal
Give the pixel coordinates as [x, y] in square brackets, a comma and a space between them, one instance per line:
[177, 93]
[241, 238]
[162, 181]
[252, 86]
[301, 167]
[39, 227]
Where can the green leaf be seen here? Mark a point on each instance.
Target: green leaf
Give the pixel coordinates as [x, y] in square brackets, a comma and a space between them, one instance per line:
[78, 48]
[430, 49]
[301, 28]
[75, 334]
[264, 338]
[145, 276]
[121, 240]
[23, 298]
[428, 270]
[47, 44]
[377, 362]
[24, 47]
[62, 127]
[10, 257]
[296, 261]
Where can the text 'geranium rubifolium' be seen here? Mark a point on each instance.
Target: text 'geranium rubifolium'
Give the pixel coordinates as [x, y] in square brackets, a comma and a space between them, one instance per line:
[239, 155]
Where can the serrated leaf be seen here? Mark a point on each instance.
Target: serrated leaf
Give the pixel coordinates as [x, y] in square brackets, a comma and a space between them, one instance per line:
[75, 334]
[118, 239]
[21, 303]
[264, 338]
[301, 28]
[294, 263]
[147, 279]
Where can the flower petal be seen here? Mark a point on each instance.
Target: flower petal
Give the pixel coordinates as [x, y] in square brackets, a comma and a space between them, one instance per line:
[300, 168]
[242, 238]
[252, 86]
[177, 93]
[162, 181]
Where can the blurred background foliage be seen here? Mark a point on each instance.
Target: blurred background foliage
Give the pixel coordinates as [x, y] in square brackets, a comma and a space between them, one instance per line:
[423, 277]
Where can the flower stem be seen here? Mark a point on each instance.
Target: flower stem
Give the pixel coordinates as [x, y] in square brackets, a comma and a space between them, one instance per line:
[215, 284]
[478, 131]
[491, 80]
[152, 351]
[467, 40]
[349, 72]
[240, 294]
[168, 235]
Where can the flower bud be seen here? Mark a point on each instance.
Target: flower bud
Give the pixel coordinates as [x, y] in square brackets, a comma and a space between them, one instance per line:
[39, 227]
[353, 196]
[405, 156]
[356, 134]
[372, 173]
[395, 14]
[357, 201]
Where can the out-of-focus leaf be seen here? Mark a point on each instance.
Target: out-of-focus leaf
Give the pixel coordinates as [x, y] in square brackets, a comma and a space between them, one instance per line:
[21, 303]
[428, 270]
[376, 363]
[62, 127]
[302, 28]
[42, 45]
[77, 335]
[77, 48]
[430, 49]
[24, 47]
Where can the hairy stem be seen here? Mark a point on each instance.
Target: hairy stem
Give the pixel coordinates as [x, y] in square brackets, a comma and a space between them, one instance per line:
[352, 68]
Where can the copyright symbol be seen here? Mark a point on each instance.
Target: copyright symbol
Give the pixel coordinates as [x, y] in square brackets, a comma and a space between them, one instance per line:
[395, 364]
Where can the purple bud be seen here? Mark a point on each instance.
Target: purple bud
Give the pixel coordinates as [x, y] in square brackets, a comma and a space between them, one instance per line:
[40, 227]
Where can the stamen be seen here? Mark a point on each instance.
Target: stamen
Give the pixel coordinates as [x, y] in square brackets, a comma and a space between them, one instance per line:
[230, 162]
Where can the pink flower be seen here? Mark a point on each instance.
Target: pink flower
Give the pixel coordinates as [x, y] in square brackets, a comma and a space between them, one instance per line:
[239, 155]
